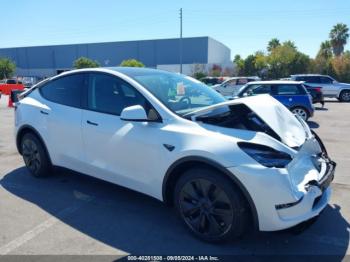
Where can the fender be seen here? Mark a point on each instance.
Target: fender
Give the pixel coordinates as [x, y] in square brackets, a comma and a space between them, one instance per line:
[216, 166]
[23, 129]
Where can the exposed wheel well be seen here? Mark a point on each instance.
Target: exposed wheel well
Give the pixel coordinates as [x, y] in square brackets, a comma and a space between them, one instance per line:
[178, 168]
[25, 130]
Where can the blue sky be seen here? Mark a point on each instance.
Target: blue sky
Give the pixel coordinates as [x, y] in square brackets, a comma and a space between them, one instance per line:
[244, 26]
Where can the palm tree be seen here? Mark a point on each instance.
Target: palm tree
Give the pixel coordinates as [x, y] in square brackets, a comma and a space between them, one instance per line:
[339, 36]
[325, 50]
[273, 43]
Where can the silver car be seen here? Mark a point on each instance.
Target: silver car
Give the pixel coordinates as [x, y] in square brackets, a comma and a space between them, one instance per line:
[330, 87]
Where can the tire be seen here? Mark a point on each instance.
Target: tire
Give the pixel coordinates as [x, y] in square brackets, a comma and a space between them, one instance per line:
[344, 96]
[217, 213]
[302, 112]
[34, 155]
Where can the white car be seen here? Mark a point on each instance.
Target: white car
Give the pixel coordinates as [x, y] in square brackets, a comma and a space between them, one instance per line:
[231, 86]
[224, 165]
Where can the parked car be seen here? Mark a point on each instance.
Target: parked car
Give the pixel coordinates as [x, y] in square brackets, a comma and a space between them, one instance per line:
[292, 94]
[330, 87]
[316, 93]
[211, 80]
[224, 165]
[231, 86]
[9, 85]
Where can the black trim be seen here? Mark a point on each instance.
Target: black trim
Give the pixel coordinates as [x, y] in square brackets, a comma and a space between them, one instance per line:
[35, 132]
[219, 167]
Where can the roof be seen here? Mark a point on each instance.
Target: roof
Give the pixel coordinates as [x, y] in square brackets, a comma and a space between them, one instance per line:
[276, 82]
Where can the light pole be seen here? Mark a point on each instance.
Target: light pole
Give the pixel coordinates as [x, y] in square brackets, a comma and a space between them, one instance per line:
[180, 41]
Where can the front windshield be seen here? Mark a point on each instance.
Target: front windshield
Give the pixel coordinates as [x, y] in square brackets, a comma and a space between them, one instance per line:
[179, 93]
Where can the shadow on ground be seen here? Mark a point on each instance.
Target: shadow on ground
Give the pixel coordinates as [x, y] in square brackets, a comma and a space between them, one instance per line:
[313, 124]
[138, 224]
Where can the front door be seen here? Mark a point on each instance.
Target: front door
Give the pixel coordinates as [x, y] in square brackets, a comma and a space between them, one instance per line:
[122, 152]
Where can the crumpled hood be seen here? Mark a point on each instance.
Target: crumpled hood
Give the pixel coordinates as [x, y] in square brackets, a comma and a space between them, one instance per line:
[291, 130]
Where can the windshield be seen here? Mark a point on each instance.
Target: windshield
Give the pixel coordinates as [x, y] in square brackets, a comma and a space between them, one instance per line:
[181, 94]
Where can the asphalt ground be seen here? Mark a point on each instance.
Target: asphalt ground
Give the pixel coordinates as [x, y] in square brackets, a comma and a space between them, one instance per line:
[72, 214]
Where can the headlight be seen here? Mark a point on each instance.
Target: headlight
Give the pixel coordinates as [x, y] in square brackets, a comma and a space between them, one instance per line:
[265, 155]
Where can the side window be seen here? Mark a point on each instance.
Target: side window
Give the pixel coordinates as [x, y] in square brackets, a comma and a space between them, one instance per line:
[242, 81]
[326, 80]
[288, 90]
[313, 79]
[257, 90]
[66, 90]
[109, 94]
[231, 82]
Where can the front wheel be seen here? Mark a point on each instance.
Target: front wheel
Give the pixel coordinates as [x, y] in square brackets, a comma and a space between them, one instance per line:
[300, 112]
[210, 205]
[35, 156]
[345, 96]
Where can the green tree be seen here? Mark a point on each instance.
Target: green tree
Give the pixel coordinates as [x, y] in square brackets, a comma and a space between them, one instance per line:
[249, 66]
[272, 44]
[238, 65]
[84, 62]
[325, 50]
[132, 63]
[338, 37]
[7, 68]
[341, 65]
[291, 44]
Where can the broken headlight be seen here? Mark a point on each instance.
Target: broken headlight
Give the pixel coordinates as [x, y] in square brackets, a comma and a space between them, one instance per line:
[265, 155]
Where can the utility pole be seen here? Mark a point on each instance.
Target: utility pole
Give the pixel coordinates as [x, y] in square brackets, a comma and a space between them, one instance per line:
[180, 41]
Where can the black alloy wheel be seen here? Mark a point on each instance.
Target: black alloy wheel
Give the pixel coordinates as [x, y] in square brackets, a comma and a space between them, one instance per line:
[210, 205]
[35, 156]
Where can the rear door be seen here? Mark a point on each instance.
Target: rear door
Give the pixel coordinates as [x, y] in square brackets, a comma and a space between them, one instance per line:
[62, 115]
[328, 87]
[287, 94]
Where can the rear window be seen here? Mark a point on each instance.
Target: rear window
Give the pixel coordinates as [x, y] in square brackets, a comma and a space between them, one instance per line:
[11, 81]
[289, 90]
[309, 79]
[66, 90]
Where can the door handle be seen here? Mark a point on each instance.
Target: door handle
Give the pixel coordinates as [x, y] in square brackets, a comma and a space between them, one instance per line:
[44, 112]
[91, 123]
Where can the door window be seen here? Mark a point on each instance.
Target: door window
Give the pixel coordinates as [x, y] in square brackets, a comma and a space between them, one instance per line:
[109, 94]
[326, 80]
[257, 90]
[65, 90]
[287, 90]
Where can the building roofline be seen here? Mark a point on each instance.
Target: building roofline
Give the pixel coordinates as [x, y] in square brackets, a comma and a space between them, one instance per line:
[111, 42]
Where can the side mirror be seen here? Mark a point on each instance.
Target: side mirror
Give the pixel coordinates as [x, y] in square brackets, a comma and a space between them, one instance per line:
[134, 113]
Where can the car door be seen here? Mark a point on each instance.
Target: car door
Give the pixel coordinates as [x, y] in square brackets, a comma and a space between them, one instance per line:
[328, 86]
[118, 151]
[62, 115]
[227, 88]
[286, 94]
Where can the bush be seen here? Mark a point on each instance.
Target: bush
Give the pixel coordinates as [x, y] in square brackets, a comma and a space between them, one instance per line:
[84, 62]
[132, 63]
[7, 68]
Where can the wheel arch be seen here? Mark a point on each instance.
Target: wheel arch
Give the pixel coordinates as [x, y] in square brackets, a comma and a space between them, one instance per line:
[29, 129]
[175, 171]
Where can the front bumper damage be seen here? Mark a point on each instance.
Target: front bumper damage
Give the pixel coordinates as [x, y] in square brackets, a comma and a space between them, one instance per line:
[285, 197]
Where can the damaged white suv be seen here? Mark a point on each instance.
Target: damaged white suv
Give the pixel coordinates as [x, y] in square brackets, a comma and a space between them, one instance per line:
[224, 165]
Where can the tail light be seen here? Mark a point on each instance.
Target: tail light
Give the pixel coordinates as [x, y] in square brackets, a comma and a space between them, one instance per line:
[318, 89]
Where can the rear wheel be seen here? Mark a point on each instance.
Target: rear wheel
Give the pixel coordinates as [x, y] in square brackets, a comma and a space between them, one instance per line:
[35, 156]
[210, 205]
[345, 96]
[300, 111]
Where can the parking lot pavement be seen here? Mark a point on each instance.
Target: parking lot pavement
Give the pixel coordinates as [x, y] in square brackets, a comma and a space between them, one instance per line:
[75, 214]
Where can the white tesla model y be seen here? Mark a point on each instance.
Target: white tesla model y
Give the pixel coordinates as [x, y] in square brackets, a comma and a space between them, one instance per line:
[223, 165]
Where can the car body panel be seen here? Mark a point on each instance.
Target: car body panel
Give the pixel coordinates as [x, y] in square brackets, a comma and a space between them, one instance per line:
[136, 154]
